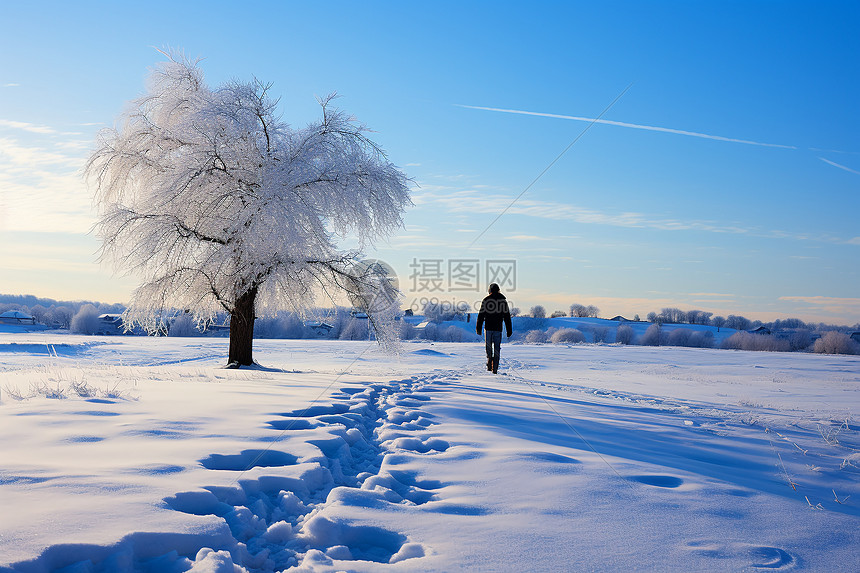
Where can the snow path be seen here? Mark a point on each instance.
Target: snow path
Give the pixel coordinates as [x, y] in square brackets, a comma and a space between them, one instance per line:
[276, 522]
[583, 458]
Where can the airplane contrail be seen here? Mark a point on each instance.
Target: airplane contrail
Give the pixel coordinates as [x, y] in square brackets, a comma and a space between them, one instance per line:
[630, 125]
[834, 164]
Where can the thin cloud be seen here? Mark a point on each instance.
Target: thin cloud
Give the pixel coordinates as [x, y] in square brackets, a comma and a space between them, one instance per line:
[834, 164]
[712, 294]
[472, 201]
[630, 125]
[31, 127]
[842, 306]
[528, 238]
[833, 151]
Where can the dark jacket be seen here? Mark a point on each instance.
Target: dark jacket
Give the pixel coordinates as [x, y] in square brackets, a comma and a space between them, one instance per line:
[494, 311]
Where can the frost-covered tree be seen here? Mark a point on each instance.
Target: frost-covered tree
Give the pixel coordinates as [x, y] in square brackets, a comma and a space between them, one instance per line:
[567, 336]
[653, 336]
[672, 316]
[834, 342]
[60, 315]
[538, 311]
[599, 334]
[738, 322]
[218, 205]
[624, 334]
[536, 336]
[86, 320]
[39, 312]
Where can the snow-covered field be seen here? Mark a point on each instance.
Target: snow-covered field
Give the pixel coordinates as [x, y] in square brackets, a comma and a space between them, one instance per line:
[143, 454]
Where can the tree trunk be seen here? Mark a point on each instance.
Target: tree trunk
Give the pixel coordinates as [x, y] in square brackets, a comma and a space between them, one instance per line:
[242, 330]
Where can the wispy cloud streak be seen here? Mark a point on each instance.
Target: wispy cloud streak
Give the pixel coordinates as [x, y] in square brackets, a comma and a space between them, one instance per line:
[630, 125]
[33, 128]
[834, 164]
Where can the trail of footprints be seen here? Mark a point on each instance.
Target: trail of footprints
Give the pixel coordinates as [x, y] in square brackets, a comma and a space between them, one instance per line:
[280, 522]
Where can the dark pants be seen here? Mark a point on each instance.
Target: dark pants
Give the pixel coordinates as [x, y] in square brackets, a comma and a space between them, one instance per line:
[494, 344]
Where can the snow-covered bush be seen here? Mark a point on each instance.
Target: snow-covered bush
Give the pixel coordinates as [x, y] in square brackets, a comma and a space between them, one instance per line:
[431, 331]
[567, 336]
[701, 339]
[454, 333]
[406, 330]
[355, 329]
[800, 340]
[692, 338]
[292, 326]
[86, 320]
[283, 325]
[558, 314]
[653, 336]
[599, 333]
[624, 334]
[183, 325]
[679, 337]
[834, 342]
[536, 336]
[760, 342]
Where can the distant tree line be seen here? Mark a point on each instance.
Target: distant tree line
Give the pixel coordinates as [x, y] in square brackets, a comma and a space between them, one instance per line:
[53, 313]
[786, 335]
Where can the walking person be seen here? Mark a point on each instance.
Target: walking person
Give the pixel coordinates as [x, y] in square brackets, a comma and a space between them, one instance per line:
[494, 312]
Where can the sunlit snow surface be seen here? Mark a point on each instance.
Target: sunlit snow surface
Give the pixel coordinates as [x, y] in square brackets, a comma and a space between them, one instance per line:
[143, 454]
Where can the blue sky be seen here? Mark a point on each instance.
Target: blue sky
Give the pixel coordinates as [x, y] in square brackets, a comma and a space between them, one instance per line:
[629, 219]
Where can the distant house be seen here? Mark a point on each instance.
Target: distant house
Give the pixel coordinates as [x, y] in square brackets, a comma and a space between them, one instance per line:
[319, 328]
[16, 317]
[620, 318]
[355, 313]
[855, 336]
[760, 330]
[110, 324]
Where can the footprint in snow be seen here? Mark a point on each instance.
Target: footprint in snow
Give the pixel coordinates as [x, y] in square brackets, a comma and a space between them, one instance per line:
[292, 424]
[761, 556]
[548, 462]
[319, 410]
[248, 459]
[670, 482]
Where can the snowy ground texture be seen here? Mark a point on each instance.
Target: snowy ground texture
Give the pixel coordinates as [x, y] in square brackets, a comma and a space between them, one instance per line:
[142, 454]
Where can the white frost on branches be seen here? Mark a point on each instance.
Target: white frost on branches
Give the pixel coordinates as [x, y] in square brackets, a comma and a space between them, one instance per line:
[208, 196]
